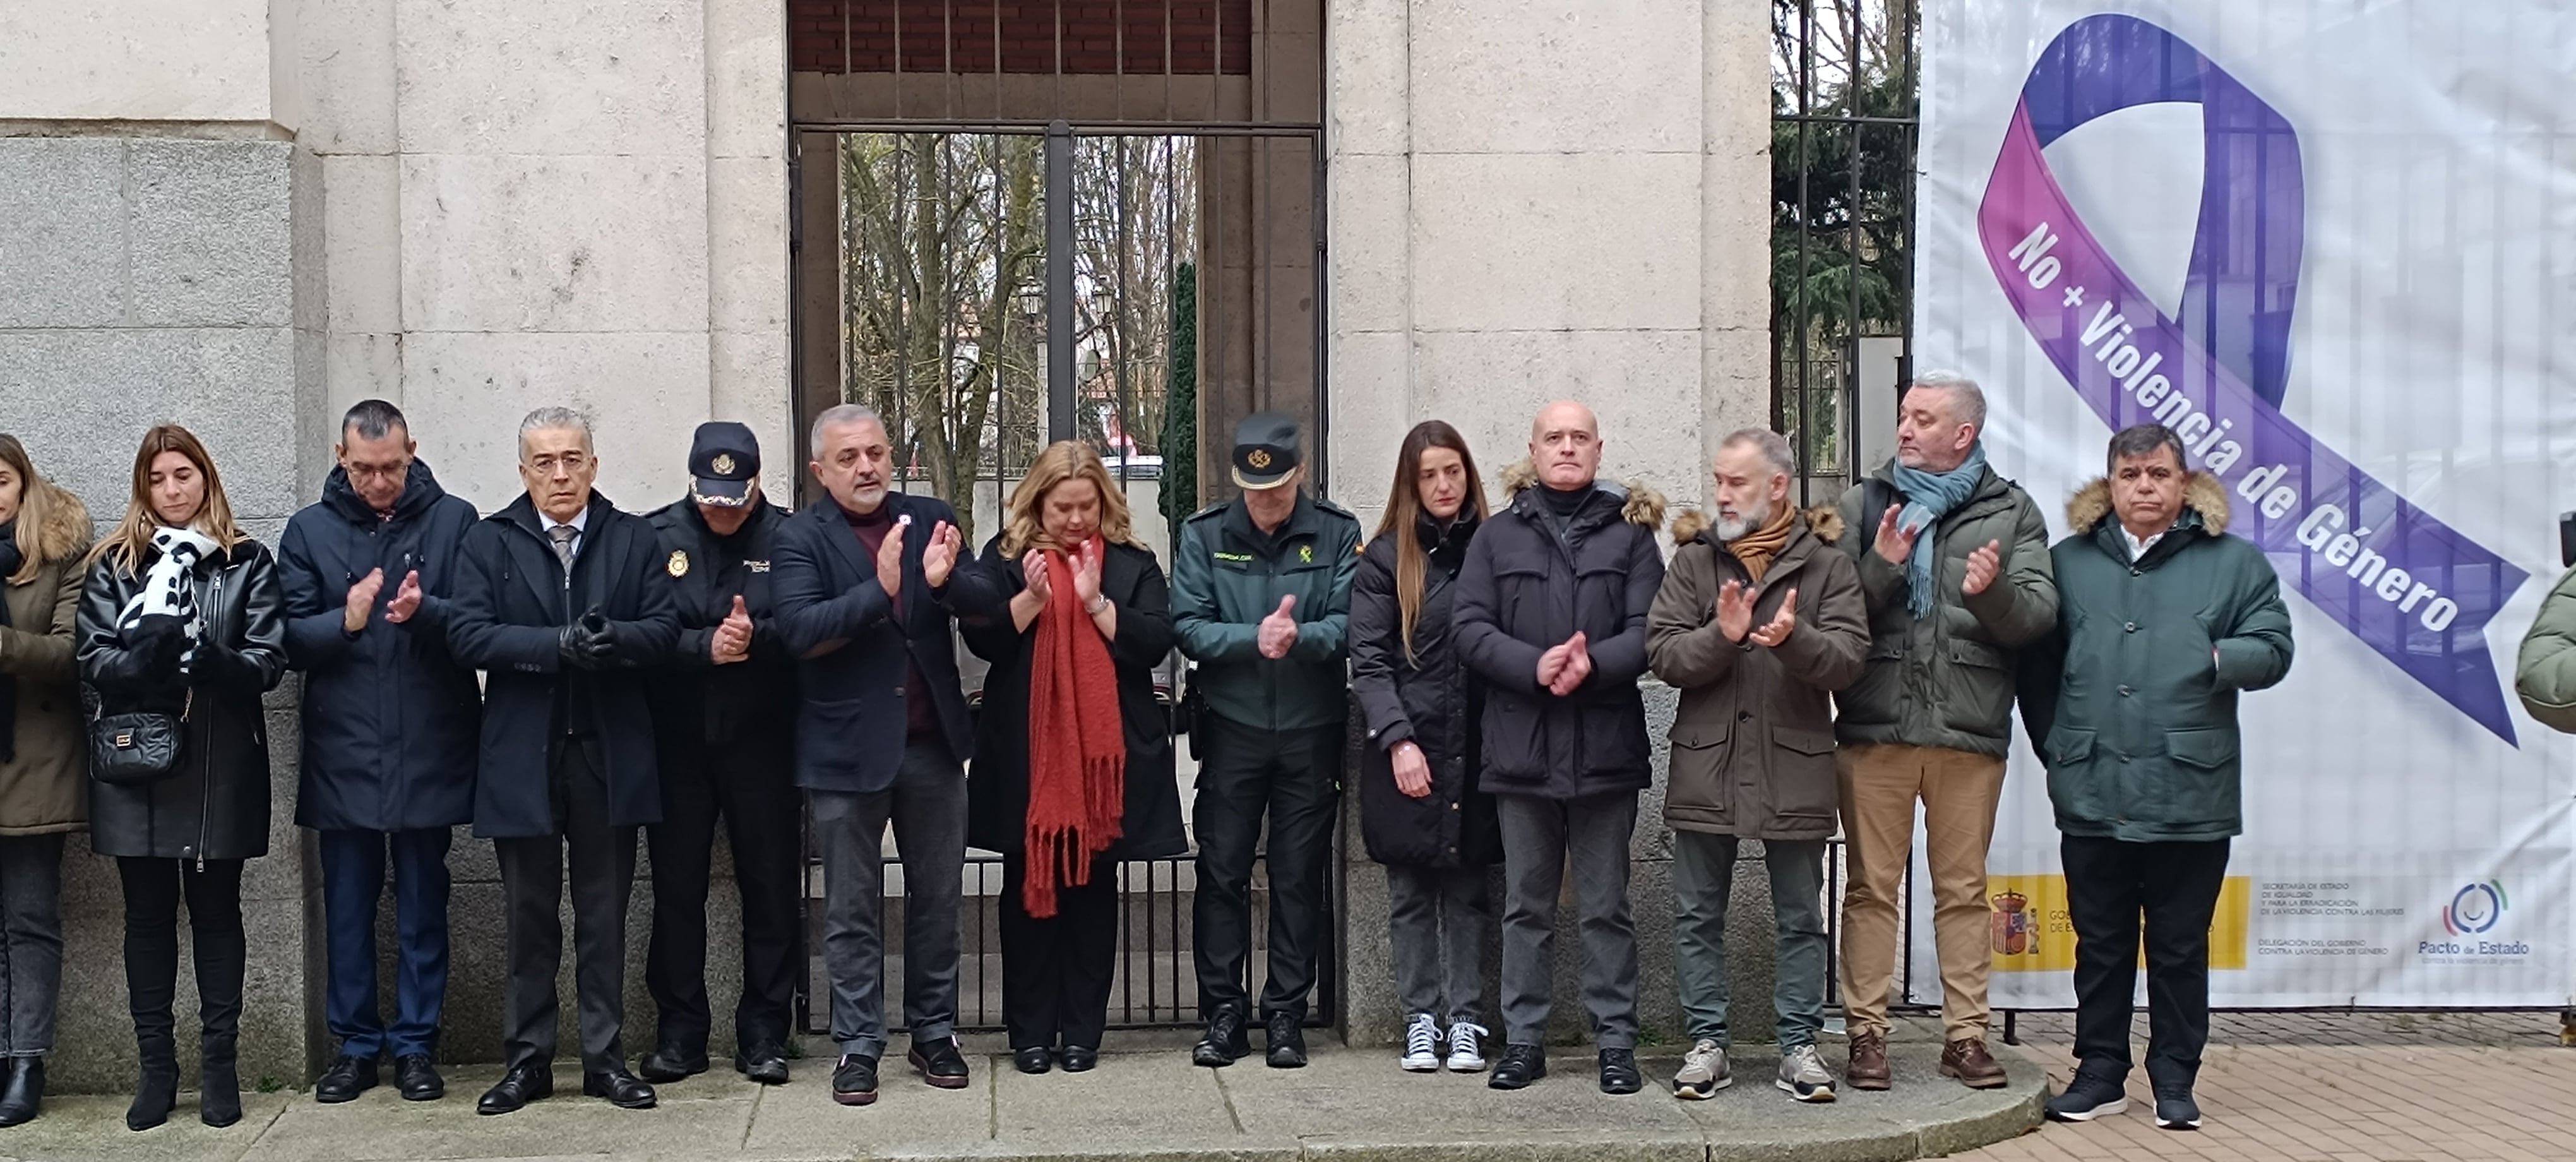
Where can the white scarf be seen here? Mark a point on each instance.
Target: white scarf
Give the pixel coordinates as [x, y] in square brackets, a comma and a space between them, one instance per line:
[168, 587]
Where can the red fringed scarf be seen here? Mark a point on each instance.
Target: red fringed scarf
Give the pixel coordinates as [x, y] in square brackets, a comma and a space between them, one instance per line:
[1077, 746]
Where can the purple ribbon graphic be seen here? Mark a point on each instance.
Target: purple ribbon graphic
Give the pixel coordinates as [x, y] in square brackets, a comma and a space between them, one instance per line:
[2412, 588]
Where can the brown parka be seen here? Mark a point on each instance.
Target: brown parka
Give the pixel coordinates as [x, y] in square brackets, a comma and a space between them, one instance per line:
[45, 787]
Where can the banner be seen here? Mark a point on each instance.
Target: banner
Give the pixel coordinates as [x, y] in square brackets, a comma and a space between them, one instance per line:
[2330, 246]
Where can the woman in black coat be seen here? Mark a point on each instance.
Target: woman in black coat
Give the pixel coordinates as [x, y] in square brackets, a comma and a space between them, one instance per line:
[182, 615]
[1056, 969]
[1420, 811]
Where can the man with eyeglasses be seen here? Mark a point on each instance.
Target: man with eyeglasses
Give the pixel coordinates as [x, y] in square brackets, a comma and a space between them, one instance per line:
[389, 720]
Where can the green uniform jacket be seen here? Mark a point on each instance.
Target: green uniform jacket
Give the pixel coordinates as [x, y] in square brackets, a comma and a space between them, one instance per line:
[1227, 576]
[2546, 674]
[2134, 698]
[1947, 680]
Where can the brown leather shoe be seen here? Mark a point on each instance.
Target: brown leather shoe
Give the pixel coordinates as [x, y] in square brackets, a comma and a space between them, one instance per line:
[1968, 1061]
[1868, 1066]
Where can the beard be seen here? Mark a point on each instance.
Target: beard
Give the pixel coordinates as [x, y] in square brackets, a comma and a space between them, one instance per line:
[1735, 527]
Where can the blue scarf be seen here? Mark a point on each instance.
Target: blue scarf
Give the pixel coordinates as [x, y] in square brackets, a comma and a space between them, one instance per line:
[1929, 496]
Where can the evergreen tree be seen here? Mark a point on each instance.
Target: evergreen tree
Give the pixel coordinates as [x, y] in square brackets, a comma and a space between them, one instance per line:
[1180, 441]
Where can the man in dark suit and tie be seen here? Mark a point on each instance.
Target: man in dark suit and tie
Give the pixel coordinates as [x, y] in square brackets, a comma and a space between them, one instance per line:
[564, 602]
[868, 583]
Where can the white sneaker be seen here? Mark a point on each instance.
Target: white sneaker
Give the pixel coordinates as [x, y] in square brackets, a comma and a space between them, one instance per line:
[1803, 1076]
[1422, 1044]
[1703, 1071]
[1464, 1056]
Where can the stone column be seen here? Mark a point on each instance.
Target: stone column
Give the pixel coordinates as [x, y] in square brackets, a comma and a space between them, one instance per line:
[1530, 202]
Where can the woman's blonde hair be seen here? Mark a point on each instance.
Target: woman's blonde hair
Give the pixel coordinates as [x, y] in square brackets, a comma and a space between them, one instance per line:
[1024, 526]
[130, 546]
[53, 524]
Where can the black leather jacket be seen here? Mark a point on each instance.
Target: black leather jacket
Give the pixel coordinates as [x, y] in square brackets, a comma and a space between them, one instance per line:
[216, 806]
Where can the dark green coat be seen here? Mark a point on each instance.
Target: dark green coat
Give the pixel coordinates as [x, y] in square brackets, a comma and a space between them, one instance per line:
[2133, 701]
[2545, 675]
[1947, 680]
[1227, 576]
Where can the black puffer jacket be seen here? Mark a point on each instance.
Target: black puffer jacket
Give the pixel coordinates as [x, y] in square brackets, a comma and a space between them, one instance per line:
[216, 806]
[1426, 697]
[1525, 589]
[390, 716]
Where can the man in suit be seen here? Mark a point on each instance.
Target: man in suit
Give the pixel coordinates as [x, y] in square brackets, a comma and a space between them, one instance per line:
[724, 717]
[868, 583]
[564, 601]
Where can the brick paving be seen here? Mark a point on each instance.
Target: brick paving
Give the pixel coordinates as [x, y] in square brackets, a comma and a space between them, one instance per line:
[2335, 1087]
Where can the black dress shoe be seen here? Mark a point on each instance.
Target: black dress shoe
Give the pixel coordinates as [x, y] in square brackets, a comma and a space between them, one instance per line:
[765, 1063]
[348, 1077]
[1225, 1039]
[671, 1063]
[522, 1084]
[417, 1077]
[854, 1080]
[1079, 1058]
[25, 1093]
[1619, 1071]
[1034, 1059]
[1521, 1065]
[940, 1063]
[1287, 1041]
[622, 1089]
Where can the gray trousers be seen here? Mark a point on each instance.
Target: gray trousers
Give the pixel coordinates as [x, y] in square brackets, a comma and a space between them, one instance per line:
[601, 861]
[1703, 881]
[31, 942]
[1436, 919]
[1541, 838]
[927, 806]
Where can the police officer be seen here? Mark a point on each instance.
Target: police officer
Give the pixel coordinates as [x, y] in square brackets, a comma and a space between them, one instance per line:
[1261, 597]
[724, 719]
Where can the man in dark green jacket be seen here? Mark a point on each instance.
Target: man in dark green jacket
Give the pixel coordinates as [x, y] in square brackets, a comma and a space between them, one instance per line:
[1261, 598]
[1954, 569]
[2545, 673]
[2163, 619]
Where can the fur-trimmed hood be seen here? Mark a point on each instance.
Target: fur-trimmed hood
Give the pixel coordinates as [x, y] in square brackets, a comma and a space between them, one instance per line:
[2201, 493]
[1823, 520]
[1639, 504]
[65, 533]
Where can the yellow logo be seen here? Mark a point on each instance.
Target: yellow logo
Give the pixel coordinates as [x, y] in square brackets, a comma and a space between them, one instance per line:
[678, 565]
[1257, 458]
[1306, 554]
[723, 464]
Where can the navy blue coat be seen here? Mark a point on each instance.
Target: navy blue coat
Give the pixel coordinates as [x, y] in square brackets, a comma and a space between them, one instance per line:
[850, 727]
[512, 601]
[389, 714]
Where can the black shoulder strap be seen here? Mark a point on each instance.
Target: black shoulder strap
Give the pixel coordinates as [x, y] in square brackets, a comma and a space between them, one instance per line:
[1876, 494]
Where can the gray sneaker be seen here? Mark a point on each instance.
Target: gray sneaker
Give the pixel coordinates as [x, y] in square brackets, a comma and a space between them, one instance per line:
[1703, 1071]
[1803, 1076]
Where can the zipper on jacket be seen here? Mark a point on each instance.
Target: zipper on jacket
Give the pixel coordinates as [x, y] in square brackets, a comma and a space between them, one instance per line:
[206, 762]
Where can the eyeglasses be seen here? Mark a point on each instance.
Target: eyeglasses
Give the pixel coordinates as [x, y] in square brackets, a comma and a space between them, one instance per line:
[377, 471]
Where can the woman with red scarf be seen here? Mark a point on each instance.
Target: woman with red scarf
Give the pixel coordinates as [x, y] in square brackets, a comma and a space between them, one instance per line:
[1073, 754]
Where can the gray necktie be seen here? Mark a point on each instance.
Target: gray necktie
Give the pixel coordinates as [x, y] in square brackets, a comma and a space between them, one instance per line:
[563, 536]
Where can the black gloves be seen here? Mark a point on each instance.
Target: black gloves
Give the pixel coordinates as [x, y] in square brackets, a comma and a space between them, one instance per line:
[588, 644]
[158, 639]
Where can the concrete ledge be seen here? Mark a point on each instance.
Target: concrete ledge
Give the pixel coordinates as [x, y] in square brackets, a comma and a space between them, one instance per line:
[1350, 1105]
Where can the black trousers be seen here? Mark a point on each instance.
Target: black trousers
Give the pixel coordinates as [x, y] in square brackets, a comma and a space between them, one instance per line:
[1056, 971]
[751, 782]
[602, 862]
[2110, 885]
[153, 889]
[1292, 776]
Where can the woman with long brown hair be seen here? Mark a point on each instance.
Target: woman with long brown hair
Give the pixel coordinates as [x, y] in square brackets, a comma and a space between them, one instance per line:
[182, 621]
[1073, 752]
[43, 531]
[1420, 811]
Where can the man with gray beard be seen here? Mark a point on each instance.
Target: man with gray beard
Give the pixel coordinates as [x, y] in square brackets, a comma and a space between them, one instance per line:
[1757, 629]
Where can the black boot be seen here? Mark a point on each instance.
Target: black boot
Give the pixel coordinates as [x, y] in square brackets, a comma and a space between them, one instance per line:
[219, 1083]
[159, 1088]
[25, 1093]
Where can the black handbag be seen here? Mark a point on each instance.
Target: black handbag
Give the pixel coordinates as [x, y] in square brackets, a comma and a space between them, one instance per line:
[131, 749]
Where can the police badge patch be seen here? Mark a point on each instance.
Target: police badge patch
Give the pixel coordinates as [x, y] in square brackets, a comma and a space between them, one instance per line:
[679, 563]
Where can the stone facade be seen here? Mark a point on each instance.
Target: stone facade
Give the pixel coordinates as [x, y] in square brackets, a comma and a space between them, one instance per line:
[243, 215]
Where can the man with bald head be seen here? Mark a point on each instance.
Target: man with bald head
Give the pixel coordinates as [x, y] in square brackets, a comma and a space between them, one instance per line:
[1551, 615]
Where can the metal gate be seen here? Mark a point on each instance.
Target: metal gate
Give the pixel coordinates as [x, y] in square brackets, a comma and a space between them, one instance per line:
[1089, 219]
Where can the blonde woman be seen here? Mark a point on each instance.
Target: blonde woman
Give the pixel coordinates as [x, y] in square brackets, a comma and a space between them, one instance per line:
[1073, 753]
[182, 615]
[43, 531]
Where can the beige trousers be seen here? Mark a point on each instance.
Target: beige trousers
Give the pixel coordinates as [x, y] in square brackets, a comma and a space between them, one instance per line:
[1880, 785]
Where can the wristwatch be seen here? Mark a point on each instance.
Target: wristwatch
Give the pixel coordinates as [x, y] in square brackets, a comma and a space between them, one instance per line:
[1097, 604]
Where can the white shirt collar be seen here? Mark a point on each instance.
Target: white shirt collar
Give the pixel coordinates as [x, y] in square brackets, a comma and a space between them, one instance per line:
[580, 521]
[2137, 547]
